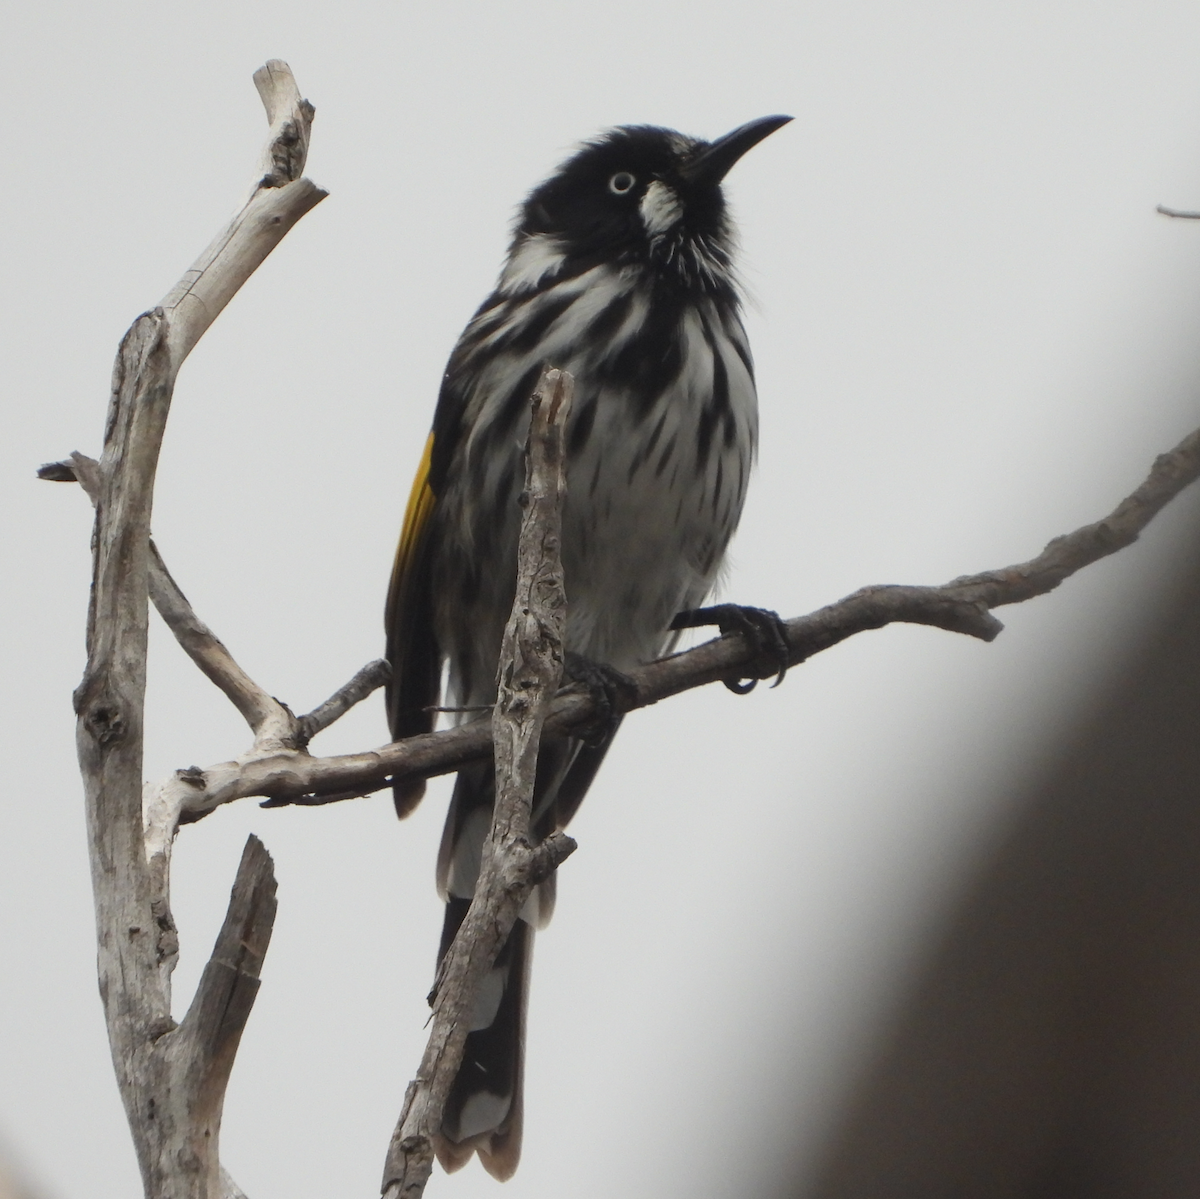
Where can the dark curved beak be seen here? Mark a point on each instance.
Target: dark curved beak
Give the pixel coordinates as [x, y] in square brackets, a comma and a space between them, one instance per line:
[713, 163]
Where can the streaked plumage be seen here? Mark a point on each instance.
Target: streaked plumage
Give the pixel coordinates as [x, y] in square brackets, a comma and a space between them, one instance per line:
[620, 272]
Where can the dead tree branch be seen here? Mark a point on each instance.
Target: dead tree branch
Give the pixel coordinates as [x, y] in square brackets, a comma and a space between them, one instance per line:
[264, 714]
[369, 679]
[531, 659]
[172, 1077]
[963, 605]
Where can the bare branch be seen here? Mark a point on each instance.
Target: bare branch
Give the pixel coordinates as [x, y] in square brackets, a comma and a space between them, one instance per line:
[208, 1038]
[291, 119]
[172, 1079]
[961, 606]
[369, 679]
[279, 199]
[269, 720]
[57, 472]
[266, 716]
[531, 659]
[1062, 557]
[1187, 216]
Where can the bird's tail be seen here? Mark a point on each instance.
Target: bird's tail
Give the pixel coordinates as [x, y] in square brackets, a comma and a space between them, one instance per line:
[484, 1112]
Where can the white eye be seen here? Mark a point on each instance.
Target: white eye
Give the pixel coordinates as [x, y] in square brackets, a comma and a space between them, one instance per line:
[621, 182]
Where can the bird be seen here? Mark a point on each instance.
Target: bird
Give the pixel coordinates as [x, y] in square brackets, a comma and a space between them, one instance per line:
[621, 271]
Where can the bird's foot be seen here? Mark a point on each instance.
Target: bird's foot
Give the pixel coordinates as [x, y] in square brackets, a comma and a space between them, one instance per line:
[610, 691]
[764, 631]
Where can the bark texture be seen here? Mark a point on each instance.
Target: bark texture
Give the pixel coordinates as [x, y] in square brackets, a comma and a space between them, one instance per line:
[531, 659]
[172, 1077]
[276, 770]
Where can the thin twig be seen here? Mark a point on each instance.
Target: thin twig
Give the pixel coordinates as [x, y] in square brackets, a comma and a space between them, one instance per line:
[369, 679]
[1175, 212]
[268, 719]
[531, 659]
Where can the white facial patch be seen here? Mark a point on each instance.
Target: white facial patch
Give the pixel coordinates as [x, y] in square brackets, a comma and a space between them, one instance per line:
[660, 208]
[537, 256]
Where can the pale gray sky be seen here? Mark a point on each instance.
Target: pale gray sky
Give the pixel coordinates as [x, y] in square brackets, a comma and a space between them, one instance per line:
[972, 333]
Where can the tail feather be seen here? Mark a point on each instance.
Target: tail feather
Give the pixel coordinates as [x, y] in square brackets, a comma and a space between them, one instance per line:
[485, 1110]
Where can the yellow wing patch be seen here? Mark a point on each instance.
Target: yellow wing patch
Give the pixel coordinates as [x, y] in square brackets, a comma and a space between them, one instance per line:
[416, 515]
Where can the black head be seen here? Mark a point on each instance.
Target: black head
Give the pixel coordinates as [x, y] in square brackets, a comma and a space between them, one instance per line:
[634, 194]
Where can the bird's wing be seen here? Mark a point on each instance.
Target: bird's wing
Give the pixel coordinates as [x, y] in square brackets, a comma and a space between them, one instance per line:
[411, 645]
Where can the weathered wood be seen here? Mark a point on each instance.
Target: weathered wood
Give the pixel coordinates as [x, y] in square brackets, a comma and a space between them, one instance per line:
[365, 682]
[109, 705]
[262, 712]
[278, 199]
[531, 659]
[963, 606]
[265, 715]
[172, 1079]
[202, 1050]
[209, 653]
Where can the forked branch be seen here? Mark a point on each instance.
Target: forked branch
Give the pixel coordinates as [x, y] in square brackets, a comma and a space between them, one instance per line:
[172, 1078]
[267, 717]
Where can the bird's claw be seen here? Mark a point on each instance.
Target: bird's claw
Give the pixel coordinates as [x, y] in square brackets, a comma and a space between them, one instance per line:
[764, 631]
[612, 693]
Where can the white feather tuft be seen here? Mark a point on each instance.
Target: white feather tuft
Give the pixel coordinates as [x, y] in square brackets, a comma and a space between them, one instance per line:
[536, 257]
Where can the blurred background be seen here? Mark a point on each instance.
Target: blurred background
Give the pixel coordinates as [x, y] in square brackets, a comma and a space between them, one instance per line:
[1049, 1045]
[972, 333]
